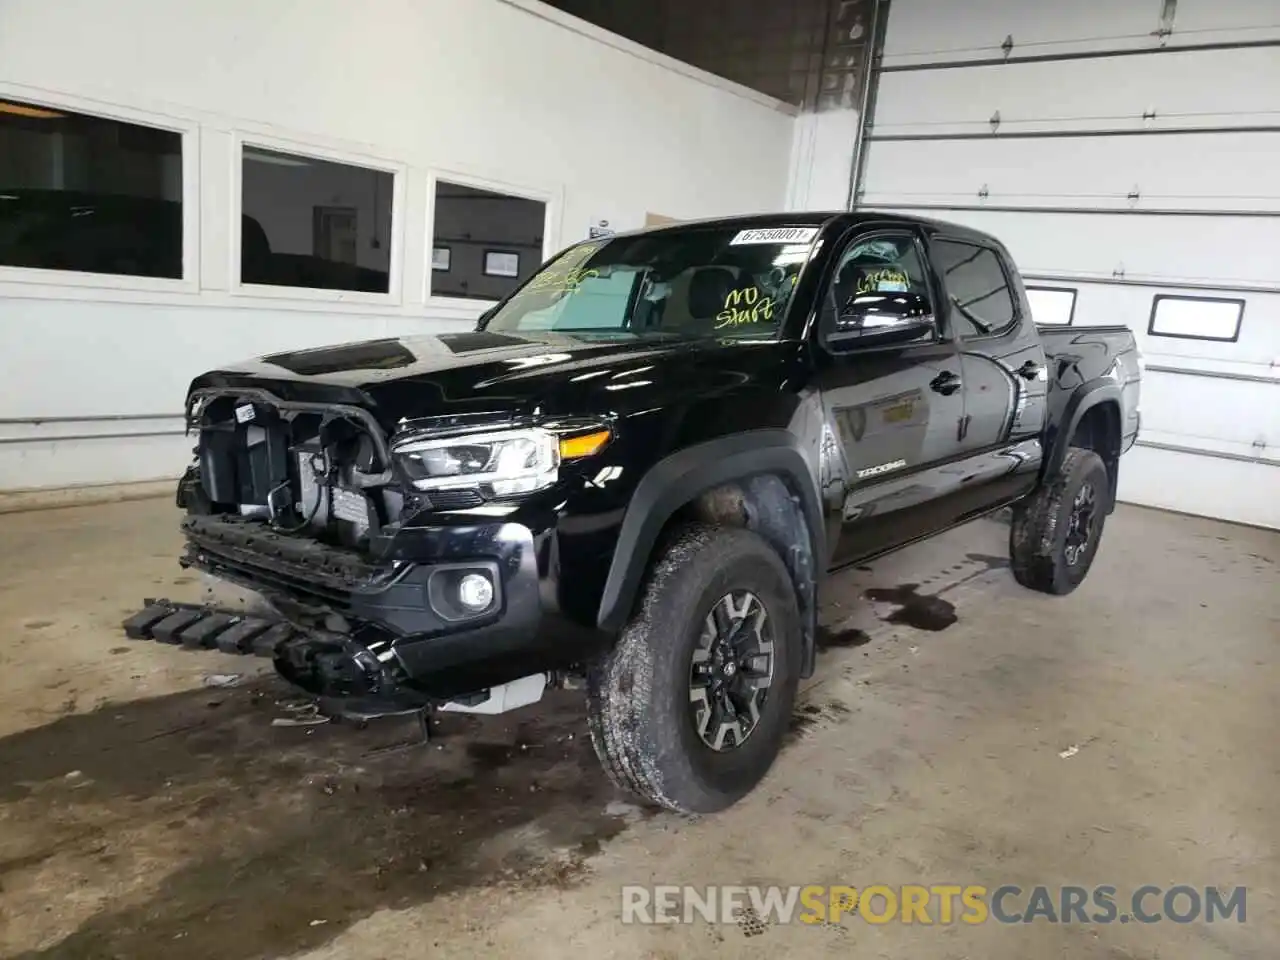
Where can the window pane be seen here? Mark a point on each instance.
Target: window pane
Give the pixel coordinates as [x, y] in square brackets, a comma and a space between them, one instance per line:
[88, 194]
[495, 241]
[1196, 318]
[977, 285]
[598, 303]
[882, 264]
[691, 282]
[1051, 305]
[314, 223]
[501, 264]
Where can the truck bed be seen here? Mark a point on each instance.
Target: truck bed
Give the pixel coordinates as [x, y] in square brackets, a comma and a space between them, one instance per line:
[1077, 355]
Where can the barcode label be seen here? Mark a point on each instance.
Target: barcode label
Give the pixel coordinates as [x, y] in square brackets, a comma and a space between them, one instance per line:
[244, 412]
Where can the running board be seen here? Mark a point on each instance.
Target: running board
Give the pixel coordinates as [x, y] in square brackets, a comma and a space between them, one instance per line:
[202, 627]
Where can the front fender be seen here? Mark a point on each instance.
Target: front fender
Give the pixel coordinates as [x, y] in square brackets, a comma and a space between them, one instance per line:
[679, 478]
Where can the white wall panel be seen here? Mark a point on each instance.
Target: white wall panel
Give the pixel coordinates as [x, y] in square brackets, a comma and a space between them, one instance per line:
[1227, 489]
[1208, 18]
[1256, 353]
[93, 358]
[1188, 249]
[1206, 413]
[1057, 193]
[507, 94]
[928, 31]
[1103, 94]
[1230, 172]
[822, 160]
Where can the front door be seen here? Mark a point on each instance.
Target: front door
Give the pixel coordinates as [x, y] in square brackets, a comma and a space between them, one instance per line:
[893, 401]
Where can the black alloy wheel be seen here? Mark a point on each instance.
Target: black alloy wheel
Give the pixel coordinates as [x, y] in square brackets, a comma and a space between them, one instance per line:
[1080, 526]
[731, 671]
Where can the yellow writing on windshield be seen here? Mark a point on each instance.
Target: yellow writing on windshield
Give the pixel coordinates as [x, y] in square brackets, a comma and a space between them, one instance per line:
[577, 256]
[744, 306]
[557, 281]
[567, 274]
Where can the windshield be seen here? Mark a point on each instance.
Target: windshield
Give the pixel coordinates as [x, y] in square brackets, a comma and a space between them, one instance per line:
[691, 282]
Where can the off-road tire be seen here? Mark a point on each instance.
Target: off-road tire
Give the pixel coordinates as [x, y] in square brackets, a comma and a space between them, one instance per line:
[1038, 535]
[639, 712]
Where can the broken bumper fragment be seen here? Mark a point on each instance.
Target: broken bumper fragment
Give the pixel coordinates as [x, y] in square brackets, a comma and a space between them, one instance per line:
[380, 634]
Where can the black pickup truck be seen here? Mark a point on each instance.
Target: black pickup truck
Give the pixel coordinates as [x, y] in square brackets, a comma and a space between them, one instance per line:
[635, 474]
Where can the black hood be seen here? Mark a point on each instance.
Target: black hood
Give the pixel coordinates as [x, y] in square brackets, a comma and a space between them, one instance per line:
[404, 379]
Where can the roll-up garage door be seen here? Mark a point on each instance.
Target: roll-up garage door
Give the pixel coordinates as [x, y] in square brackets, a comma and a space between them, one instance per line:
[1129, 156]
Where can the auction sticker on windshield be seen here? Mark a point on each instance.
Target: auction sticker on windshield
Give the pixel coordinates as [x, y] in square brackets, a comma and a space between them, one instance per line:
[776, 235]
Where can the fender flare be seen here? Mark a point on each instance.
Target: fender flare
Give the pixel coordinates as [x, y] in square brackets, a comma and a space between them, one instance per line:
[1082, 400]
[679, 478]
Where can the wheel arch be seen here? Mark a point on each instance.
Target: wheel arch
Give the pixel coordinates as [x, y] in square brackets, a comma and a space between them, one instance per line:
[759, 480]
[1091, 419]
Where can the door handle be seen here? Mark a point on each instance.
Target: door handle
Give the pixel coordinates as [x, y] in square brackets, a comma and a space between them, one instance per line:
[1029, 370]
[945, 383]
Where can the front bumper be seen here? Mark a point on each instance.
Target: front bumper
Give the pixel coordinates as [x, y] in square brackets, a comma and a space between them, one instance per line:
[378, 629]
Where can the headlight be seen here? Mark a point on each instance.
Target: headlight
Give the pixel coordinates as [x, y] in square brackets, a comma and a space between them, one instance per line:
[509, 463]
[503, 463]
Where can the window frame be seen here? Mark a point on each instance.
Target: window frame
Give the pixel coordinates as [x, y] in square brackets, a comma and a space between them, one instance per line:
[1014, 324]
[188, 130]
[550, 198]
[1155, 307]
[847, 241]
[240, 139]
[1075, 295]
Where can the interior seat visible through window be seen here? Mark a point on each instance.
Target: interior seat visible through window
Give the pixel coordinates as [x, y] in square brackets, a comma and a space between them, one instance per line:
[709, 289]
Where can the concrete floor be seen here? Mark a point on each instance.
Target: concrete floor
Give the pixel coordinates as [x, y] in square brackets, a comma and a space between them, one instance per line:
[144, 815]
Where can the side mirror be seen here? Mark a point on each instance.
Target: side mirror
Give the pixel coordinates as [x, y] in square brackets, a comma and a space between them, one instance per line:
[876, 319]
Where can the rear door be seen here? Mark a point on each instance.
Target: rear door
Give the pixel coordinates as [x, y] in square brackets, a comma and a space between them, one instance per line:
[1002, 363]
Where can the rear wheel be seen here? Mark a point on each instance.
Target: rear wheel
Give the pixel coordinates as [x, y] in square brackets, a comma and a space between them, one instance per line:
[689, 708]
[1055, 532]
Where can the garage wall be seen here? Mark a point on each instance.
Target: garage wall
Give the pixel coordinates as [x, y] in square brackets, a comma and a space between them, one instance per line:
[1123, 151]
[505, 95]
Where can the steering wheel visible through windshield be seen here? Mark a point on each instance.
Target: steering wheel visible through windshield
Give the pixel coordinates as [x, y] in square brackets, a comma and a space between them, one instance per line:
[691, 282]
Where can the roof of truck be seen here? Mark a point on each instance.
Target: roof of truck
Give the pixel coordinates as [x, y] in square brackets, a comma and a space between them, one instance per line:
[816, 219]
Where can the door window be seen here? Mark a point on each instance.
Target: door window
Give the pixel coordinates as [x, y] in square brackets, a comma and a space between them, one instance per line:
[887, 264]
[977, 286]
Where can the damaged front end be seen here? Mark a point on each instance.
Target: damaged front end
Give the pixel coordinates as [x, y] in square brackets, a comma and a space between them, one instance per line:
[361, 594]
[322, 469]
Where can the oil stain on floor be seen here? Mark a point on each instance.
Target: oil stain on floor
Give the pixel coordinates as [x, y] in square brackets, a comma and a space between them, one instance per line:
[275, 839]
[920, 610]
[828, 639]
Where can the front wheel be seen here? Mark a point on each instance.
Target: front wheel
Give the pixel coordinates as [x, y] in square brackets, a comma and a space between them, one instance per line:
[690, 707]
[1056, 531]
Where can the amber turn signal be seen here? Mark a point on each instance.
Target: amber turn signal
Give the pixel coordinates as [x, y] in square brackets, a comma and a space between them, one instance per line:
[589, 444]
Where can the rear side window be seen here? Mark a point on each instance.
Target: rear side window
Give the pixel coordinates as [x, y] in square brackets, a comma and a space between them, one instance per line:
[981, 301]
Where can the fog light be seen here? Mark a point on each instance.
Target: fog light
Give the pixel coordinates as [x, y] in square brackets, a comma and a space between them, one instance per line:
[475, 592]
